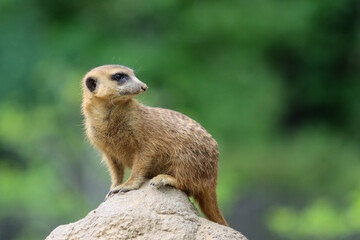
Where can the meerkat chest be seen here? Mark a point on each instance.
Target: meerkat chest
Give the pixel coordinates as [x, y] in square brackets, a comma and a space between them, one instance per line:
[112, 136]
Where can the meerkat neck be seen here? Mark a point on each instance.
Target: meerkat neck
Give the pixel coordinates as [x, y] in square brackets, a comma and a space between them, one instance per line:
[103, 107]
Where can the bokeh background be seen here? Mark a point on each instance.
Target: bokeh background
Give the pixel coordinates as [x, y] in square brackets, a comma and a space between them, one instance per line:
[275, 82]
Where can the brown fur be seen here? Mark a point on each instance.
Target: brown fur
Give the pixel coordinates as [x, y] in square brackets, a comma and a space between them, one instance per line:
[158, 144]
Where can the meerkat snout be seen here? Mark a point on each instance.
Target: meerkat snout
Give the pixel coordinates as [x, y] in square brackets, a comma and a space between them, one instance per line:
[144, 87]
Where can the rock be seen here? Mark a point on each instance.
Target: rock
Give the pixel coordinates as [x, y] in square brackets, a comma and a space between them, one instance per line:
[147, 213]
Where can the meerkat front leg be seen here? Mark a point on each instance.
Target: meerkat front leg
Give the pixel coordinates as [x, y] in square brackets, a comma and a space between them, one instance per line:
[137, 176]
[116, 170]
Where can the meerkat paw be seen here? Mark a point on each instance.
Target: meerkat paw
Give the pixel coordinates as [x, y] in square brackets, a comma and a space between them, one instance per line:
[163, 180]
[121, 189]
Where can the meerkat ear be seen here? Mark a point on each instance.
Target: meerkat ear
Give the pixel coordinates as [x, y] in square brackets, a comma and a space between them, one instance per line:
[90, 84]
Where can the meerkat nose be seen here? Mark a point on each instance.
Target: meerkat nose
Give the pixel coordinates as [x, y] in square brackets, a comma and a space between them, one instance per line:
[144, 87]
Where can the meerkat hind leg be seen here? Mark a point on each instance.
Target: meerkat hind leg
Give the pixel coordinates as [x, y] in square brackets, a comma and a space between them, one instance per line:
[164, 180]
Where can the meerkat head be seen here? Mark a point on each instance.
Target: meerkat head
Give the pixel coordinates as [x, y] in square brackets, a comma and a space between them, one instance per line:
[114, 82]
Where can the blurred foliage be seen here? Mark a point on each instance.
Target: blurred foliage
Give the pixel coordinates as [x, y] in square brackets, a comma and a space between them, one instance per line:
[276, 82]
[320, 219]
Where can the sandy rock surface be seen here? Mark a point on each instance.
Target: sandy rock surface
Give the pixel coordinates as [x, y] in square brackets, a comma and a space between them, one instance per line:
[147, 213]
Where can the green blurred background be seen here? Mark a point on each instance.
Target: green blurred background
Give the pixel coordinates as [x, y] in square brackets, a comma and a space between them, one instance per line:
[275, 82]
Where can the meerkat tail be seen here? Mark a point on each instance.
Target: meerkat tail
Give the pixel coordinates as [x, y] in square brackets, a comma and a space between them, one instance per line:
[209, 206]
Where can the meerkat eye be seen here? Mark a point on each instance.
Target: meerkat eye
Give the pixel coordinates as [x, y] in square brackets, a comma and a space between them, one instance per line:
[90, 84]
[121, 78]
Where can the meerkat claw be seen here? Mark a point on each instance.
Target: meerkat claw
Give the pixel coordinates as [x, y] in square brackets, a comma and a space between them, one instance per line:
[123, 190]
[110, 193]
[115, 191]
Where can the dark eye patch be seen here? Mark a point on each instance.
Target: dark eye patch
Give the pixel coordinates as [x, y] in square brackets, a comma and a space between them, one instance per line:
[121, 78]
[90, 84]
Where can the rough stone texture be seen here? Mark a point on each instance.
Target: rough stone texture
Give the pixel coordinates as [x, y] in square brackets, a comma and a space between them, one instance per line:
[147, 213]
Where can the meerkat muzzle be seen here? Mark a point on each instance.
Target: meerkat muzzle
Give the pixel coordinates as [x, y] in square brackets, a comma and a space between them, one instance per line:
[144, 88]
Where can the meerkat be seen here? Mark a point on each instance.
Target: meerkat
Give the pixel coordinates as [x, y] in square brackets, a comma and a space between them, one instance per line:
[162, 145]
